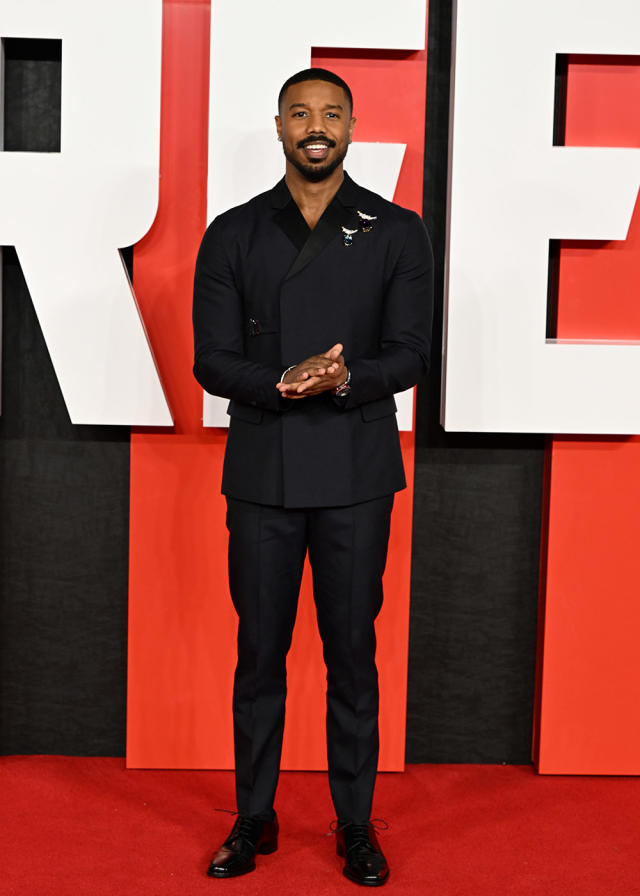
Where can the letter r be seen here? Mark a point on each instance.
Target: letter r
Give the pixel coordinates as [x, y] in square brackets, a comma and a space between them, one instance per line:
[68, 213]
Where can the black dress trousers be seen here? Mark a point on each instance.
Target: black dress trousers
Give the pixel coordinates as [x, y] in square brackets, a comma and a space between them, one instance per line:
[347, 550]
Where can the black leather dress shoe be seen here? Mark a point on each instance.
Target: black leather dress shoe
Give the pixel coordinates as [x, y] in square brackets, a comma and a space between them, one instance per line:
[364, 862]
[237, 854]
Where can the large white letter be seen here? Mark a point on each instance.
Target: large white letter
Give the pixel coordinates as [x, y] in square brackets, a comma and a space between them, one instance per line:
[67, 213]
[251, 56]
[511, 192]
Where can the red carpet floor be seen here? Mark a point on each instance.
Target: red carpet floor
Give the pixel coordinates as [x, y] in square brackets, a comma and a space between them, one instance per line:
[89, 827]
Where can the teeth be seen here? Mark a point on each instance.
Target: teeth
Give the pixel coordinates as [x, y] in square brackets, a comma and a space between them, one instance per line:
[316, 146]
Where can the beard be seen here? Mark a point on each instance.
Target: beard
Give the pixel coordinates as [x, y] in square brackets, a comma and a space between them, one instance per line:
[315, 171]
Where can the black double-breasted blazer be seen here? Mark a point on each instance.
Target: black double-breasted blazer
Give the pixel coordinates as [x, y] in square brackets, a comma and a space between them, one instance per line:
[269, 292]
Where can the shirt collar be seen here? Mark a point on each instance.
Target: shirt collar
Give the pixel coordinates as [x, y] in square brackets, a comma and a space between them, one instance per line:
[346, 195]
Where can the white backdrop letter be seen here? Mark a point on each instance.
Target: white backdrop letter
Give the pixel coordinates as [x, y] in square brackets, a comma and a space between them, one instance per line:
[251, 57]
[68, 213]
[511, 192]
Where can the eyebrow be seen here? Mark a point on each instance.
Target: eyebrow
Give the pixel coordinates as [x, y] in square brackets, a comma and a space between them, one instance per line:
[306, 106]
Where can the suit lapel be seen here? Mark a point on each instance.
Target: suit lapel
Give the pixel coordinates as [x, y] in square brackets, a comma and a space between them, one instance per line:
[327, 228]
[310, 243]
[292, 223]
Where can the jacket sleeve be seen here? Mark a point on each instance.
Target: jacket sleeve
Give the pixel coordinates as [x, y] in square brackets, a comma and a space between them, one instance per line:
[220, 364]
[405, 334]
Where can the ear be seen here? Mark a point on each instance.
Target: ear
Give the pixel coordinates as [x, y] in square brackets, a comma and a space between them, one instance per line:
[352, 125]
[278, 121]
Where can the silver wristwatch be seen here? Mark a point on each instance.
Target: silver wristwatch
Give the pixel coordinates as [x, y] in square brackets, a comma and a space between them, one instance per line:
[343, 390]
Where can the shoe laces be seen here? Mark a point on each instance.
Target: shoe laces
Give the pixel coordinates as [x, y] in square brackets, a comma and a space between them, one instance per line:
[245, 829]
[359, 831]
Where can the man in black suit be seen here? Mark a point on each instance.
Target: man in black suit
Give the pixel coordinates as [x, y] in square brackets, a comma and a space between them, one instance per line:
[312, 307]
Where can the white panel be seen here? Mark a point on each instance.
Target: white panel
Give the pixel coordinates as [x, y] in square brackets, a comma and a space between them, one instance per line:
[511, 191]
[67, 213]
[1, 147]
[244, 155]
[377, 166]
[404, 416]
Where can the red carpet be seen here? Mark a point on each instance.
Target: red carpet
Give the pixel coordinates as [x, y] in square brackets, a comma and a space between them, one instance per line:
[88, 827]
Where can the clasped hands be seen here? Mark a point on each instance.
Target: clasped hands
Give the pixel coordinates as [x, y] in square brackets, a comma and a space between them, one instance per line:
[320, 373]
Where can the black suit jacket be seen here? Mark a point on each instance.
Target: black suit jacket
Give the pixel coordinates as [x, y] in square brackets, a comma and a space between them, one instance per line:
[269, 292]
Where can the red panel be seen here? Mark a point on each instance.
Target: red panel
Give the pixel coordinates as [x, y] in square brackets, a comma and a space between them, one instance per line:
[182, 625]
[389, 97]
[589, 691]
[599, 281]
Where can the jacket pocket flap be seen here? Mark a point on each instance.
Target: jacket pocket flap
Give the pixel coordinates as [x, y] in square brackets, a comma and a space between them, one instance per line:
[374, 410]
[246, 412]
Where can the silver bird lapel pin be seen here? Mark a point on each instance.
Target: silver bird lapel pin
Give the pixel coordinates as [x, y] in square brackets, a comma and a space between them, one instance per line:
[348, 235]
[366, 221]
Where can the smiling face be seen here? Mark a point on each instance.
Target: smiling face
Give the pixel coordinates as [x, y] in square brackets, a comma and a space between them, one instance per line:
[315, 126]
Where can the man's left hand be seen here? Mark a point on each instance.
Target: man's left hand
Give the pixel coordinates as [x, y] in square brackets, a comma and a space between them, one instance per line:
[317, 383]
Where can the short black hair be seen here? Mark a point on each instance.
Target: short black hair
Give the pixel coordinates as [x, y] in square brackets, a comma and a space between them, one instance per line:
[316, 74]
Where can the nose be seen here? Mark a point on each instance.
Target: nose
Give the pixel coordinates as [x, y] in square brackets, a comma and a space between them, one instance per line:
[316, 123]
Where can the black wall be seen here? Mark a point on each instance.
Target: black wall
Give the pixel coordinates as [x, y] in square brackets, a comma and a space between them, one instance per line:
[64, 498]
[476, 535]
[64, 521]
